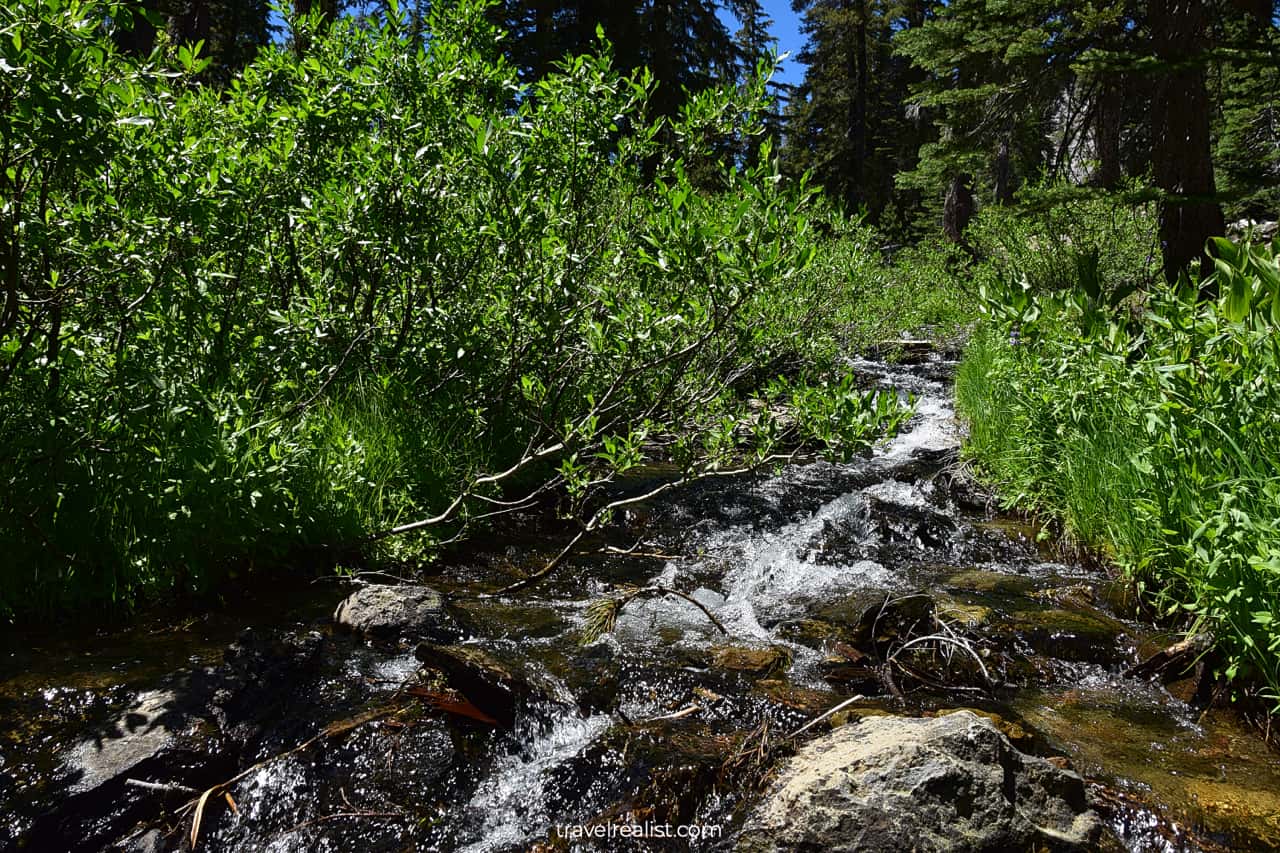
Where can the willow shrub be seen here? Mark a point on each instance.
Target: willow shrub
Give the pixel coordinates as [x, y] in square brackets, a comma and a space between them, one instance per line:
[259, 325]
[1149, 424]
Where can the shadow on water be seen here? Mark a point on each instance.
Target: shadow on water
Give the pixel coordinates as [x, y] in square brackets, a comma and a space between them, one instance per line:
[664, 720]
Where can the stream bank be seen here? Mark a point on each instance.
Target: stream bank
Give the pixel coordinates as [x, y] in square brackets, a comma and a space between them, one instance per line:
[471, 722]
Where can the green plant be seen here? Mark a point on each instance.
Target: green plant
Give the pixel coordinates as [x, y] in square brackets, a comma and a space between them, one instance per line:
[360, 299]
[1151, 435]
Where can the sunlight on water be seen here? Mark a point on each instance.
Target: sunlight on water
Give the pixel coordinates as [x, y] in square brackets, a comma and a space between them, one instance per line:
[510, 804]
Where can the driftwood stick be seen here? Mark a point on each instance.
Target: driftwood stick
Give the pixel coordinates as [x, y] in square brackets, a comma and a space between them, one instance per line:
[163, 787]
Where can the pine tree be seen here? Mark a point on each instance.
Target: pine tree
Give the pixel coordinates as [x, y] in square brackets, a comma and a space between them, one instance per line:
[995, 75]
[846, 122]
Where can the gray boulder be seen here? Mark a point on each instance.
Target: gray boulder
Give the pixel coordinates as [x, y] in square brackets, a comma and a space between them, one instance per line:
[143, 732]
[392, 610]
[896, 783]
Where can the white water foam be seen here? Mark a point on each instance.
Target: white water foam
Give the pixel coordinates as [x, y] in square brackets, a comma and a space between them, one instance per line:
[510, 804]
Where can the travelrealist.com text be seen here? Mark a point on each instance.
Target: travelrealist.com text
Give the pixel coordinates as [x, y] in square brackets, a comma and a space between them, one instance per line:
[648, 829]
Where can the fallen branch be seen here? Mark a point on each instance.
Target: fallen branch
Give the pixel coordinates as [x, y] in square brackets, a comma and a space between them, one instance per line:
[162, 787]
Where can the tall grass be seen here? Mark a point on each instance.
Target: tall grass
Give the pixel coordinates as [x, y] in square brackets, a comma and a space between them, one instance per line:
[1150, 425]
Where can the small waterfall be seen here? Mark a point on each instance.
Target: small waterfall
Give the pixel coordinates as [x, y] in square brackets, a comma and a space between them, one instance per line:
[511, 803]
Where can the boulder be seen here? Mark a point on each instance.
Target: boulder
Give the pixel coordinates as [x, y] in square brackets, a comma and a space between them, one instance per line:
[141, 733]
[946, 784]
[393, 610]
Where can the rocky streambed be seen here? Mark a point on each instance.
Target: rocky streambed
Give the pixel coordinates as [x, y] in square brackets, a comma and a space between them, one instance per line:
[978, 684]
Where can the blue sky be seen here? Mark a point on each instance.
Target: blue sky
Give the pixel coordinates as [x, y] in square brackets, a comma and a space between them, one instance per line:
[786, 29]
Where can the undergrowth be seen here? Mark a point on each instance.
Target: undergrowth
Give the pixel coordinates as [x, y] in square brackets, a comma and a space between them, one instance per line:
[1145, 418]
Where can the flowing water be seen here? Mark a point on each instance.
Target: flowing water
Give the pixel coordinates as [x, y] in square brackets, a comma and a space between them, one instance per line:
[667, 718]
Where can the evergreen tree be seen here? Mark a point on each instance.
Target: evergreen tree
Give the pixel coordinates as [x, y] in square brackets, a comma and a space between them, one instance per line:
[232, 31]
[1247, 138]
[682, 42]
[847, 122]
[995, 76]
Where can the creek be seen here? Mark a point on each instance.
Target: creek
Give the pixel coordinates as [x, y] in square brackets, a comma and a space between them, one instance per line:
[812, 571]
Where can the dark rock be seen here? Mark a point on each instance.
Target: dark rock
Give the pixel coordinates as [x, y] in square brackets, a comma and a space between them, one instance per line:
[141, 733]
[497, 688]
[392, 610]
[1073, 635]
[947, 784]
[594, 678]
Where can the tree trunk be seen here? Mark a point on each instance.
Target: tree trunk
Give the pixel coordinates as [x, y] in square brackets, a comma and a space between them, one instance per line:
[1106, 134]
[138, 39]
[958, 209]
[1004, 179]
[1181, 157]
[858, 125]
[189, 23]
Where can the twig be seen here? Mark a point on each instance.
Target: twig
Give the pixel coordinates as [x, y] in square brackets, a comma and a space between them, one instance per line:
[336, 815]
[163, 787]
[683, 712]
[825, 714]
[665, 590]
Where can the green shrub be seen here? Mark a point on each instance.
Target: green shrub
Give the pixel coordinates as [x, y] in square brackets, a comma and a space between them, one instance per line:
[358, 288]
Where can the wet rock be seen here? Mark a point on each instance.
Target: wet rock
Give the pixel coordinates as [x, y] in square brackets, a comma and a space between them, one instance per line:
[877, 622]
[150, 742]
[964, 613]
[1016, 734]
[497, 688]
[593, 677]
[851, 668]
[392, 610]
[808, 632]
[803, 699]
[989, 583]
[505, 619]
[266, 695]
[144, 730]
[751, 661]
[947, 784]
[1074, 635]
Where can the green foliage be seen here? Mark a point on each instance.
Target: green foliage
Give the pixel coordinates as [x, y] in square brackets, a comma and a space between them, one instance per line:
[837, 416]
[1148, 424]
[861, 301]
[261, 326]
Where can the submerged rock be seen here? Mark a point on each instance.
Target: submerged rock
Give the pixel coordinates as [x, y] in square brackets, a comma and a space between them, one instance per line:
[391, 610]
[897, 783]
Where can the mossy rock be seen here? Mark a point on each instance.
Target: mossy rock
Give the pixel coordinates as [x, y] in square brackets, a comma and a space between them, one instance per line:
[989, 583]
[803, 699]
[761, 662]
[1076, 635]
[1019, 736]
